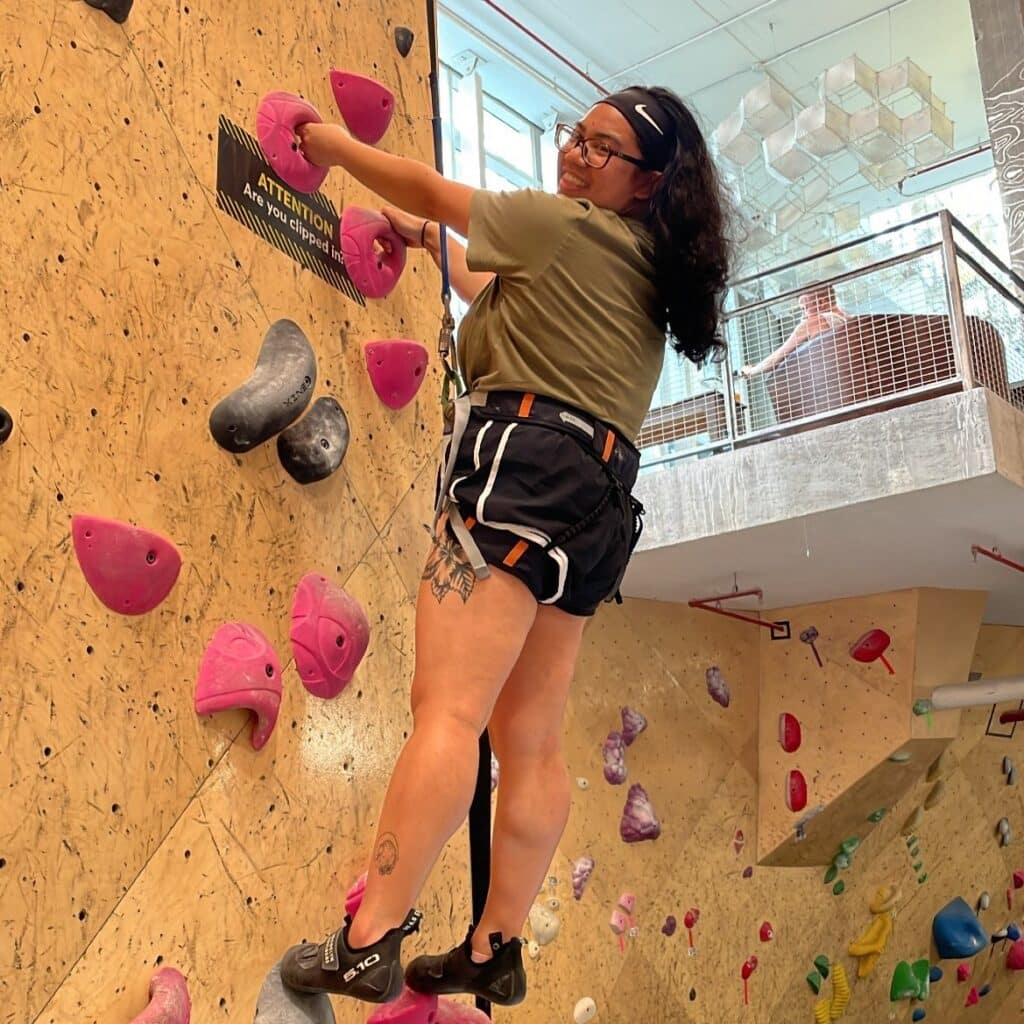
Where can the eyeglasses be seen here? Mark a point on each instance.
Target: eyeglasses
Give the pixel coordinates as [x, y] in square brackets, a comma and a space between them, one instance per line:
[595, 152]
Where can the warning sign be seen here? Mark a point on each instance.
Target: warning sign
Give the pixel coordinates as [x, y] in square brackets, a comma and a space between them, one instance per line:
[304, 227]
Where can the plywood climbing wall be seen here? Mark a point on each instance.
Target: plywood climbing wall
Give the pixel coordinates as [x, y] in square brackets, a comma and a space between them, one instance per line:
[134, 833]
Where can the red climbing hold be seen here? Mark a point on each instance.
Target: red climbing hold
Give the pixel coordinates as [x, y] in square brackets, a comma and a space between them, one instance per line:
[374, 252]
[130, 570]
[329, 635]
[871, 647]
[365, 104]
[397, 368]
[972, 997]
[409, 1008]
[796, 790]
[1018, 879]
[277, 117]
[169, 1002]
[767, 932]
[789, 732]
[241, 670]
[749, 966]
[963, 972]
[1015, 957]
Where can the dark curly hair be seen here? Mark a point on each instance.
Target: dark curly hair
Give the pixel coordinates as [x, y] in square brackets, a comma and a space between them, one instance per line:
[692, 253]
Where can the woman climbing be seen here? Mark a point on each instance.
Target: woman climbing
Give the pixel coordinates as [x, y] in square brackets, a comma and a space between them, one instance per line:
[572, 296]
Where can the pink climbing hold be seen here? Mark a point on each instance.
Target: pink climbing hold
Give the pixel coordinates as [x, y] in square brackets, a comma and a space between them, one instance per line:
[241, 670]
[329, 635]
[129, 569]
[354, 897]
[366, 105]
[450, 1011]
[618, 922]
[871, 647]
[397, 368]
[749, 966]
[789, 732]
[1015, 956]
[796, 791]
[409, 1008]
[169, 1002]
[374, 252]
[277, 117]
[767, 932]
[972, 997]
[963, 972]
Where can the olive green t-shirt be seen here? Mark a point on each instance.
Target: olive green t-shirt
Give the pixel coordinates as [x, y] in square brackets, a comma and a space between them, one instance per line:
[571, 312]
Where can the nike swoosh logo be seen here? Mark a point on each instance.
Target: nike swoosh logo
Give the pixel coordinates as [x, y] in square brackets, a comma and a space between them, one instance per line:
[641, 109]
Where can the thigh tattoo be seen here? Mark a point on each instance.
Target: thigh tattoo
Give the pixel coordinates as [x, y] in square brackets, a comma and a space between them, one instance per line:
[448, 569]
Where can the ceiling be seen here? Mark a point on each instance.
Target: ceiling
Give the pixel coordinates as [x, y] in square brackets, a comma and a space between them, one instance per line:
[714, 51]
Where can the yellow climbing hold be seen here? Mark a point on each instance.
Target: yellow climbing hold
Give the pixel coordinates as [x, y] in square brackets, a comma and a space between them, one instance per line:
[869, 947]
[821, 1011]
[841, 986]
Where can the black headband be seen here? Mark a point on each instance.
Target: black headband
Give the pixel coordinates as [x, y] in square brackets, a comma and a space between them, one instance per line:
[649, 120]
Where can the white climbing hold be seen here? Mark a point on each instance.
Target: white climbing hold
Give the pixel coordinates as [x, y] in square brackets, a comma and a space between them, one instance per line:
[984, 901]
[1011, 776]
[533, 950]
[586, 1010]
[554, 903]
[544, 924]
[583, 783]
[1003, 827]
[1007, 765]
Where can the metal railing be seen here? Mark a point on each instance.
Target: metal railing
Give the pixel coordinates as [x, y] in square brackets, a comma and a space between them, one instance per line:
[908, 313]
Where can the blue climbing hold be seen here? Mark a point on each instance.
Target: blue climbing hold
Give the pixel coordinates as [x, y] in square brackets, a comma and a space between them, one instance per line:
[984, 990]
[935, 974]
[1012, 932]
[918, 1014]
[957, 931]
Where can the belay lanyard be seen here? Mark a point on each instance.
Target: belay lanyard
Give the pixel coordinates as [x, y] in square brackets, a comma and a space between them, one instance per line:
[446, 334]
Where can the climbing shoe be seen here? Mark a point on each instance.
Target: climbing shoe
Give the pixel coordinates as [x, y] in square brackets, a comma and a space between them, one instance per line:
[373, 973]
[501, 980]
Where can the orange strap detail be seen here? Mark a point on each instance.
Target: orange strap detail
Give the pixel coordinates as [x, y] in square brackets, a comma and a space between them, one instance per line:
[470, 522]
[526, 405]
[515, 554]
[609, 446]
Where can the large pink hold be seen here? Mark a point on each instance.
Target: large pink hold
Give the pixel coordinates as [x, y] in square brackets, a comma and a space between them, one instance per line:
[397, 369]
[409, 1008]
[365, 104]
[329, 635]
[130, 570]
[169, 1002]
[374, 252]
[354, 897]
[277, 117]
[241, 670]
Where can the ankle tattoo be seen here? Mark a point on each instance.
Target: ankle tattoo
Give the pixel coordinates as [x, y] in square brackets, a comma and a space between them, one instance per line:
[385, 857]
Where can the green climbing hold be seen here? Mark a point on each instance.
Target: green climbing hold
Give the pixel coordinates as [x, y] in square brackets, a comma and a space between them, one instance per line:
[814, 980]
[922, 707]
[911, 840]
[839, 888]
[830, 875]
[821, 962]
[848, 846]
[841, 860]
[910, 982]
[915, 851]
[922, 878]
[919, 865]
[877, 816]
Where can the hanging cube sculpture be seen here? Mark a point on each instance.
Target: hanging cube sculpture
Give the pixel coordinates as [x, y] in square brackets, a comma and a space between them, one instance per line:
[930, 132]
[851, 83]
[786, 216]
[886, 174]
[767, 107]
[814, 189]
[784, 157]
[823, 128]
[905, 87]
[876, 133]
[735, 143]
[847, 218]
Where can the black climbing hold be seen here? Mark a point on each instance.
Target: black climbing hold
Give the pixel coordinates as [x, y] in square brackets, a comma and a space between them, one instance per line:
[314, 448]
[6, 424]
[116, 9]
[693, 995]
[403, 40]
[273, 397]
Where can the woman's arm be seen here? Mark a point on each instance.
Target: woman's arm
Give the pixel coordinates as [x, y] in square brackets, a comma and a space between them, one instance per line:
[408, 184]
[468, 284]
[798, 337]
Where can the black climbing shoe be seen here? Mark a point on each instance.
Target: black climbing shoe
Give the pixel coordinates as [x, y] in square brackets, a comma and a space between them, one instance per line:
[373, 974]
[501, 980]
[275, 394]
[313, 448]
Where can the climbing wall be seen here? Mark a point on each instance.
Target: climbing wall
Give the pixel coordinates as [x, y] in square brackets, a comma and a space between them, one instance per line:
[698, 763]
[134, 833]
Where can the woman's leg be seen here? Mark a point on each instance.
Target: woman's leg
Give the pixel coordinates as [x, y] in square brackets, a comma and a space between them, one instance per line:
[466, 647]
[526, 729]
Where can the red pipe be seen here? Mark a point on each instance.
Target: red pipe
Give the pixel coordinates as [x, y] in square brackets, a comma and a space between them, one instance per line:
[703, 602]
[996, 557]
[540, 42]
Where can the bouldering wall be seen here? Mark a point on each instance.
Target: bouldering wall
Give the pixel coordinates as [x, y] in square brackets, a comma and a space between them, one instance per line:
[135, 833]
[698, 764]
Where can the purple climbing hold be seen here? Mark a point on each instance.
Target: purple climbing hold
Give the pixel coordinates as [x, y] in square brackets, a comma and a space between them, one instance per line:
[717, 686]
[748, 872]
[633, 723]
[615, 759]
[582, 869]
[669, 927]
[639, 821]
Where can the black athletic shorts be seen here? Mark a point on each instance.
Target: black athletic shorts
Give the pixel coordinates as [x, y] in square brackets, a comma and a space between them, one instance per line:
[544, 490]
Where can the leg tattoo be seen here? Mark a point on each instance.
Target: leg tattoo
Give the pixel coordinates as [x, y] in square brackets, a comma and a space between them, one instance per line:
[386, 855]
[448, 569]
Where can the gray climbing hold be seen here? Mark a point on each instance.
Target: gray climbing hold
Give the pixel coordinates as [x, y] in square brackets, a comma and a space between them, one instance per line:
[403, 40]
[314, 447]
[984, 901]
[279, 1004]
[1005, 838]
[273, 397]
[1011, 776]
[6, 424]
[1003, 827]
[1007, 765]
[118, 10]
